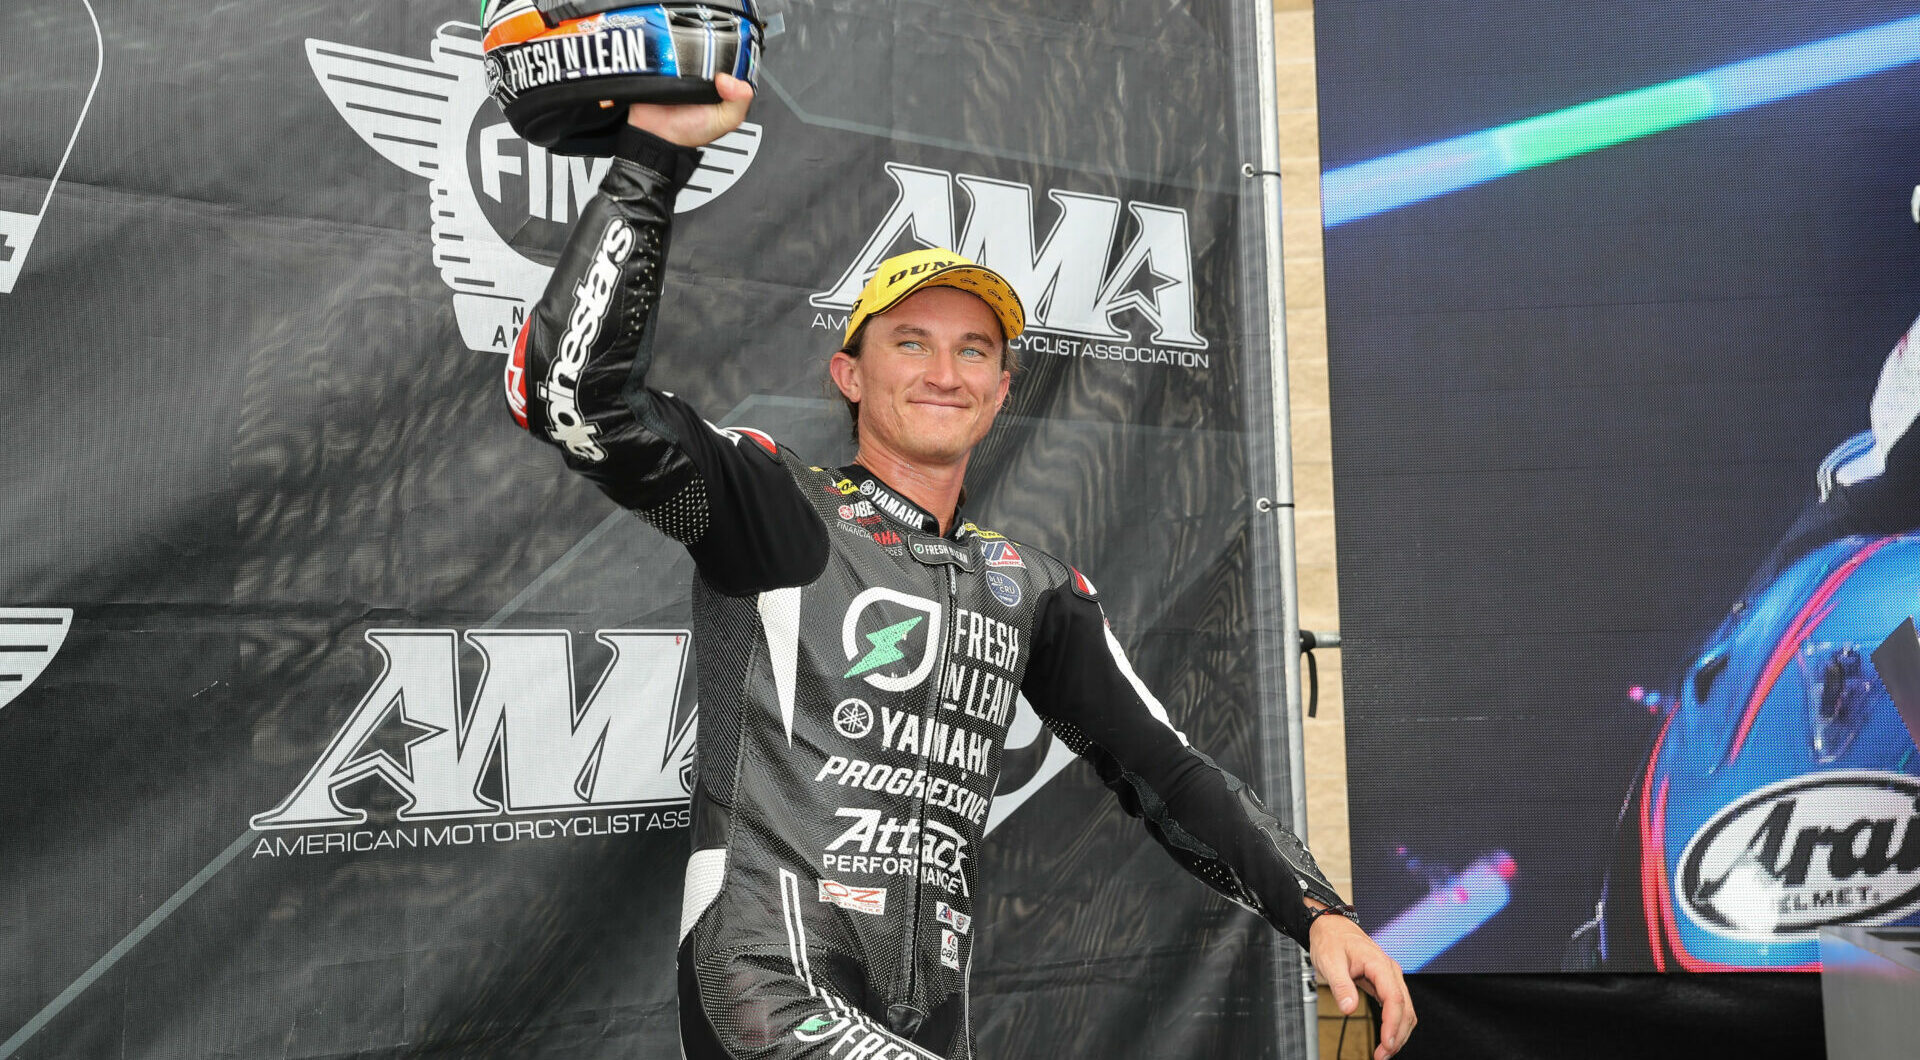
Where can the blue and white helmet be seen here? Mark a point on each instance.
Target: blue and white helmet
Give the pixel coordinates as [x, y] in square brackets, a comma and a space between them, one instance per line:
[565, 70]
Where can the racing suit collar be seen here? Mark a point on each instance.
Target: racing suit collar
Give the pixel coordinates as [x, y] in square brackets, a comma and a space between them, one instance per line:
[894, 505]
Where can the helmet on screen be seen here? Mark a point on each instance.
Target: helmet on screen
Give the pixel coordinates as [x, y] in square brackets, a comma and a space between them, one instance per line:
[565, 70]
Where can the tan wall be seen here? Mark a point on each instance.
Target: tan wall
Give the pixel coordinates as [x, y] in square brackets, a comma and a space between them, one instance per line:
[1312, 459]
[1313, 468]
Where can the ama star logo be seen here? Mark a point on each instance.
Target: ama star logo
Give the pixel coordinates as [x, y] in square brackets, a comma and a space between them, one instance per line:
[500, 206]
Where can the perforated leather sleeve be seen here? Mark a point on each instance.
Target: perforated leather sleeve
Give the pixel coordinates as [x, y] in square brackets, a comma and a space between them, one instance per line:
[1210, 821]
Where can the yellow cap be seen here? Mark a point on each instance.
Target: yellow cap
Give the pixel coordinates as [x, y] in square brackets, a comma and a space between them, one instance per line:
[903, 274]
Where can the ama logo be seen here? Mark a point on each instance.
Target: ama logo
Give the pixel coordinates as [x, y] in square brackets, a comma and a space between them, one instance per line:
[500, 206]
[1073, 283]
[624, 747]
[627, 746]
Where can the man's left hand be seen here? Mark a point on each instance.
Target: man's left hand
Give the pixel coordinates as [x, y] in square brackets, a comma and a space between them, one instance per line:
[1343, 955]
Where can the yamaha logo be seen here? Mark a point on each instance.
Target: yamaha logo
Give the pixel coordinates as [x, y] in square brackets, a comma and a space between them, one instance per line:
[500, 206]
[1841, 847]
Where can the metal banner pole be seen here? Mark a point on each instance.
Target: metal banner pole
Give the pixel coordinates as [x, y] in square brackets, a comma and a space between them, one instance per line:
[1266, 56]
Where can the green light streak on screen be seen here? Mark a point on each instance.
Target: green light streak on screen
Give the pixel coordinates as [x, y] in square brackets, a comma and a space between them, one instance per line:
[1603, 122]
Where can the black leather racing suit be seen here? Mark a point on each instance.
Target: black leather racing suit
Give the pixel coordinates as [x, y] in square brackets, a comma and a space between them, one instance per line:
[857, 675]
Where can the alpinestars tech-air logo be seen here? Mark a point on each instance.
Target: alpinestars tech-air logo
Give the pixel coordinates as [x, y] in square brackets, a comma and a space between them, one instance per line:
[492, 192]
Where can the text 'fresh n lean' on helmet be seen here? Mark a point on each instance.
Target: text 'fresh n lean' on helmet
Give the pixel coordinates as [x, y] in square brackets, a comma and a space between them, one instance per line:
[565, 70]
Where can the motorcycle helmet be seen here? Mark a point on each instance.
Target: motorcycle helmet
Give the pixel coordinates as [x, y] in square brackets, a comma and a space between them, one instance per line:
[565, 70]
[1782, 793]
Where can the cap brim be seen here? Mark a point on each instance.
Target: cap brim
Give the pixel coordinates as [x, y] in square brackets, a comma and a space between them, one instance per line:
[977, 280]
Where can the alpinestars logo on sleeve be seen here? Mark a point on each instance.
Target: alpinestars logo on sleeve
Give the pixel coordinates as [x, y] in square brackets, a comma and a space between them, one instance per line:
[434, 119]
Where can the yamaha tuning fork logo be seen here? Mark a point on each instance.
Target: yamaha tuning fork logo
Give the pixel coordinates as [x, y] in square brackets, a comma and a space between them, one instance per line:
[500, 205]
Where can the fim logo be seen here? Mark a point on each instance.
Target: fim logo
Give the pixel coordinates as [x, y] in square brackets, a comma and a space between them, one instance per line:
[18, 227]
[29, 639]
[1072, 283]
[622, 748]
[434, 119]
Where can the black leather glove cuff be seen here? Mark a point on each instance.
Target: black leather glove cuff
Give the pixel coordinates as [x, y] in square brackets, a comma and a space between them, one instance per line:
[1341, 909]
[670, 160]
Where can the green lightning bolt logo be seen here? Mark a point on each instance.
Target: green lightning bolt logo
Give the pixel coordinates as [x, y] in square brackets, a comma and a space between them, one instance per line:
[886, 647]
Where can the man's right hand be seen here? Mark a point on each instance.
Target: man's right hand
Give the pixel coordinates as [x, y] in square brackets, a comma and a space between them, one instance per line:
[695, 124]
[1345, 957]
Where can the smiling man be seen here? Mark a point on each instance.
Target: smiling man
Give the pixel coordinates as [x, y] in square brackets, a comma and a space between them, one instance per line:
[861, 647]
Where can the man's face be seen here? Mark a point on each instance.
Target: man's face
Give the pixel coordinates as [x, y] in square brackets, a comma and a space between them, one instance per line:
[930, 376]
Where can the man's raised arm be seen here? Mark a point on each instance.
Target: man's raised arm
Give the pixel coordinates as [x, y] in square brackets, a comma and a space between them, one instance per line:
[578, 374]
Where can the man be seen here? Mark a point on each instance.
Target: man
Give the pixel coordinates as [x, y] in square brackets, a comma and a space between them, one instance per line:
[860, 648]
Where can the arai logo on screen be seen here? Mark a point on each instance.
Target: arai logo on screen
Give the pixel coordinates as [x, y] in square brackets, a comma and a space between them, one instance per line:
[500, 206]
[1821, 849]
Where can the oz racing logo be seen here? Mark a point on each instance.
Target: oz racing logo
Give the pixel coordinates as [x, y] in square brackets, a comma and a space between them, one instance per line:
[891, 638]
[500, 205]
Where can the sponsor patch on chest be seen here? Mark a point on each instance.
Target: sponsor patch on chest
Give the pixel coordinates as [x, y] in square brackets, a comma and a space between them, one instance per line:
[934, 551]
[1001, 554]
[869, 900]
[960, 922]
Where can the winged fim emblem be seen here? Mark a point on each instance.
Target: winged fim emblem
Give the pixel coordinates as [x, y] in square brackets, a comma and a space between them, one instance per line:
[17, 228]
[29, 639]
[416, 113]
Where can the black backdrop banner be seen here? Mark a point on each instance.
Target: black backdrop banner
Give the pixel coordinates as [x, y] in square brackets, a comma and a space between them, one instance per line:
[1608, 286]
[279, 568]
